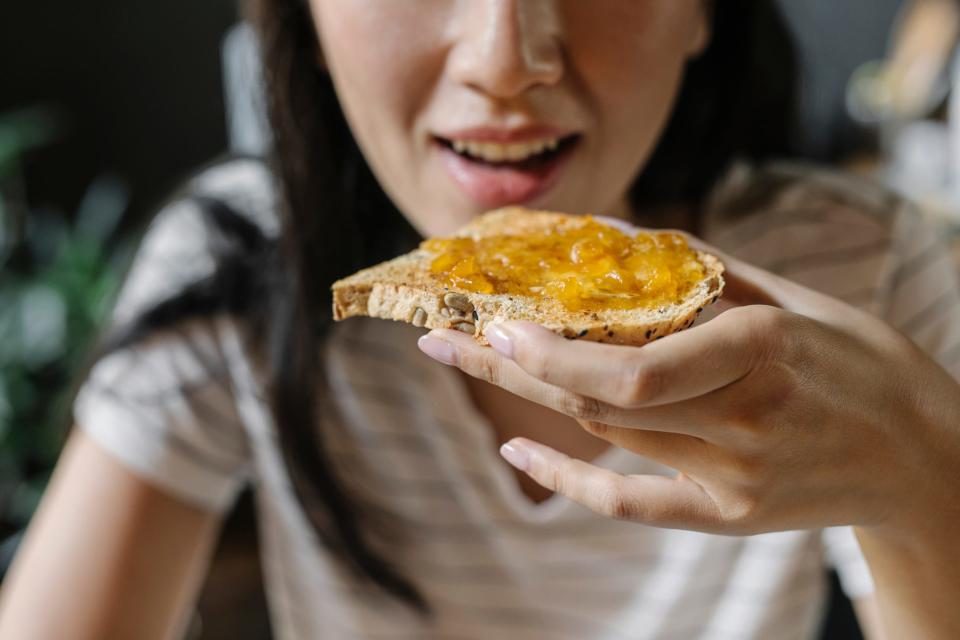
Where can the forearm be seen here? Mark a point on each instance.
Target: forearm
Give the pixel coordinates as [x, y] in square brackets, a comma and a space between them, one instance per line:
[107, 556]
[917, 580]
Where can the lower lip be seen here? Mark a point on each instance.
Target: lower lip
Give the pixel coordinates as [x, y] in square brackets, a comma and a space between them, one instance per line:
[501, 185]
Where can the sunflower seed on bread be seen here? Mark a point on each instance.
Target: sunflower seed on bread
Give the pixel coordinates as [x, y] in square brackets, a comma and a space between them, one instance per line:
[405, 289]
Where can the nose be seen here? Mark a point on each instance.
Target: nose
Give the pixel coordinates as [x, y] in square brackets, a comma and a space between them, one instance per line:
[505, 47]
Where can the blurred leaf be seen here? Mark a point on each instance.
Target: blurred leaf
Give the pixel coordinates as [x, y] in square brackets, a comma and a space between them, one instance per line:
[47, 231]
[101, 208]
[43, 325]
[6, 408]
[6, 234]
[26, 129]
[57, 282]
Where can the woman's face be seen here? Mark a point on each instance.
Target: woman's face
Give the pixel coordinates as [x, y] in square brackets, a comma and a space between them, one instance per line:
[466, 105]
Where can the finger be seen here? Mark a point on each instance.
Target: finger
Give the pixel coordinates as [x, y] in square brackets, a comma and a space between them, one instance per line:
[681, 366]
[678, 451]
[677, 503]
[462, 351]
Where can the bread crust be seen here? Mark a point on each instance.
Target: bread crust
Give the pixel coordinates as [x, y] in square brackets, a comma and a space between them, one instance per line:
[405, 290]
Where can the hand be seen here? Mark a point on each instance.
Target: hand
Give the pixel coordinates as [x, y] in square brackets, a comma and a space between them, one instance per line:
[798, 412]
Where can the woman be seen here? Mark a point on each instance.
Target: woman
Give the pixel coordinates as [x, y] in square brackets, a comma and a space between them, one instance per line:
[384, 510]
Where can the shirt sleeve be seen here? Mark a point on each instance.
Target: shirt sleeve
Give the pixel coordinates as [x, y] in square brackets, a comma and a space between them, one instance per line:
[164, 406]
[843, 554]
[924, 300]
[923, 303]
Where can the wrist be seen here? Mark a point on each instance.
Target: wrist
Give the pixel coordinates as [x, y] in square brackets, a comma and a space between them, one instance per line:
[924, 486]
[924, 519]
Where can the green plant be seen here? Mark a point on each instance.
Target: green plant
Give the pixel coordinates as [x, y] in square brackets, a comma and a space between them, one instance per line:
[58, 276]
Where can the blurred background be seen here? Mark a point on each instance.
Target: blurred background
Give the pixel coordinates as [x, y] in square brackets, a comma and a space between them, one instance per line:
[104, 108]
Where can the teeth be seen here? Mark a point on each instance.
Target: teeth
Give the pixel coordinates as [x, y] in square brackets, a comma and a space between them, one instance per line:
[496, 152]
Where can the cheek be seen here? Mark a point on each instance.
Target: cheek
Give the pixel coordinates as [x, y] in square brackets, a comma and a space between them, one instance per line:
[630, 65]
[381, 74]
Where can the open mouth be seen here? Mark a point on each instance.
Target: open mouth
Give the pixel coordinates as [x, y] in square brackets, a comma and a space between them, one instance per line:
[521, 156]
[496, 173]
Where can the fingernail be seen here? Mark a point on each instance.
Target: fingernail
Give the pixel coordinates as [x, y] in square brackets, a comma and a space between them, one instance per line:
[439, 350]
[516, 455]
[499, 339]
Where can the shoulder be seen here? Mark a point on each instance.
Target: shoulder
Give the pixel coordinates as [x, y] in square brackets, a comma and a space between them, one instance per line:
[839, 233]
[793, 186]
[245, 184]
[780, 204]
[227, 209]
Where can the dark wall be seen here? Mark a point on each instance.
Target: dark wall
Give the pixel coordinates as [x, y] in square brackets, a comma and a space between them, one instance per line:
[835, 37]
[139, 82]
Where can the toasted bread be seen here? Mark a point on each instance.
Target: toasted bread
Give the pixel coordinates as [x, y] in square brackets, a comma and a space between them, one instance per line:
[406, 290]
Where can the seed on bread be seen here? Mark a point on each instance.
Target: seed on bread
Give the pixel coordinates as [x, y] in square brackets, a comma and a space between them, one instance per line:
[419, 317]
[450, 312]
[459, 302]
[466, 327]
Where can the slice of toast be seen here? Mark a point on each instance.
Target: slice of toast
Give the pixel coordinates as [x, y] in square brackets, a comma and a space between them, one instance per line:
[405, 289]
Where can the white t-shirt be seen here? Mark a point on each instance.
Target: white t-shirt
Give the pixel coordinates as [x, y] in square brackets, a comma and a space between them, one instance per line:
[185, 409]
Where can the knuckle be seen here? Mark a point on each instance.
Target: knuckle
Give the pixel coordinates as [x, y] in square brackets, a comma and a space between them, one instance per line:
[617, 504]
[598, 429]
[582, 407]
[746, 472]
[745, 425]
[775, 330]
[535, 362]
[640, 384]
[490, 370]
[769, 318]
[738, 412]
[743, 512]
[559, 474]
[754, 419]
[482, 366]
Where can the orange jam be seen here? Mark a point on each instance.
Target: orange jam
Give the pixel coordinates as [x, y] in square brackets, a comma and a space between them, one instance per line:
[590, 267]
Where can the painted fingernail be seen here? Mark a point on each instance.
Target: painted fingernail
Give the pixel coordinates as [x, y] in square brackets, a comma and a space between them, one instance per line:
[516, 455]
[439, 350]
[499, 339]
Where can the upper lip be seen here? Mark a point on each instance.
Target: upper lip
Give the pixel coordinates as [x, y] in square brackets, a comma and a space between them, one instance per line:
[504, 134]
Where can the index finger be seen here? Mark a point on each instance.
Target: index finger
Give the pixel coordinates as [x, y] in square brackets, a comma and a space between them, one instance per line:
[679, 367]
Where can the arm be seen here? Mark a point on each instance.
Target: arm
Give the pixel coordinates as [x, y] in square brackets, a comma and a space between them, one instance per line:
[793, 412]
[917, 578]
[868, 615]
[106, 556]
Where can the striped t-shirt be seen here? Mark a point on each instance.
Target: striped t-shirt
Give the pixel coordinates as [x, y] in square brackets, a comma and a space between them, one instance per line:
[185, 409]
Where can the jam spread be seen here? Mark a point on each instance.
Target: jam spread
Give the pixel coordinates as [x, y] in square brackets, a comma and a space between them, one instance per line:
[586, 267]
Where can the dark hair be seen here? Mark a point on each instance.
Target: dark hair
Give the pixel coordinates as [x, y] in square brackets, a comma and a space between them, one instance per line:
[737, 100]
